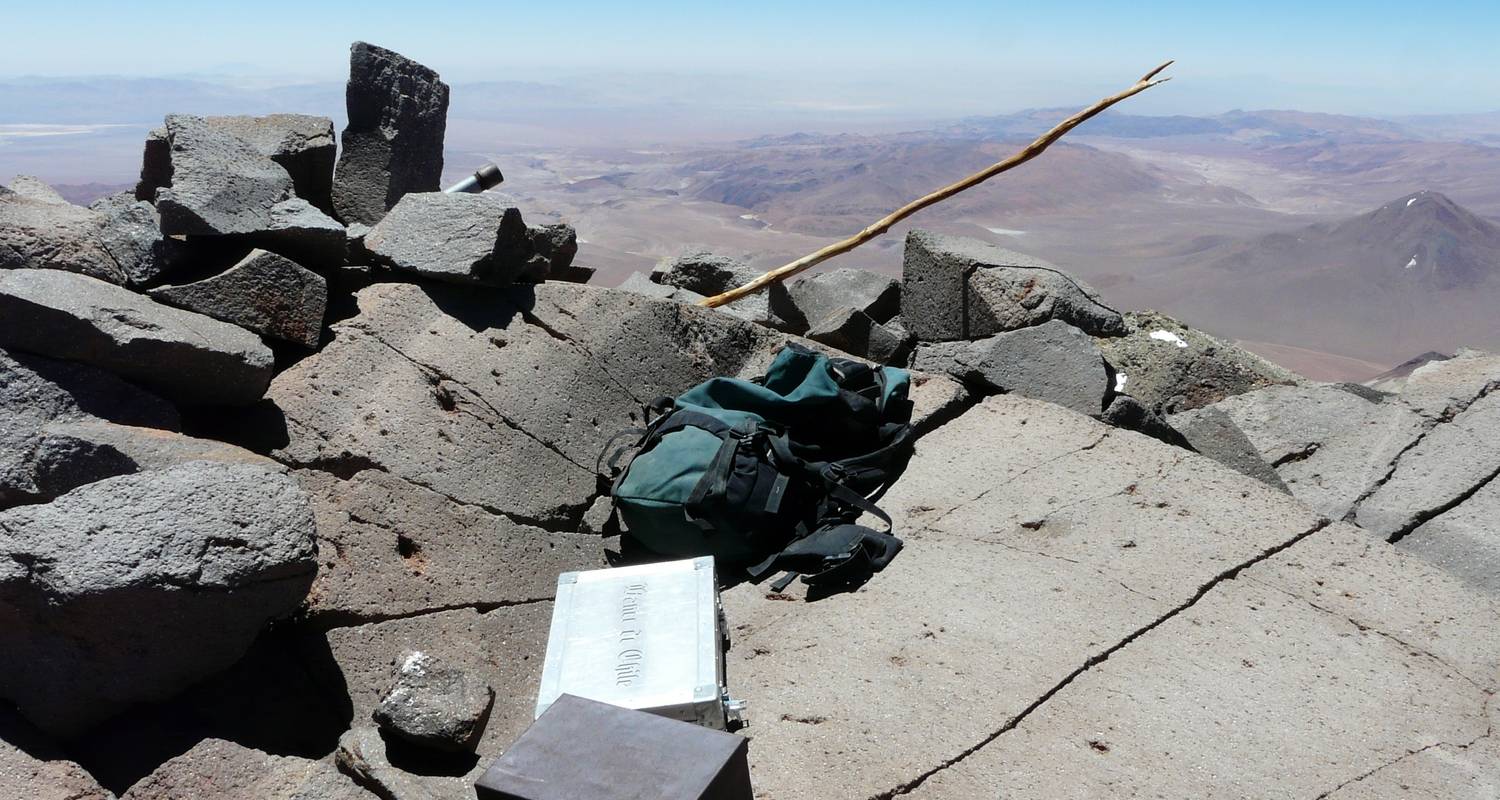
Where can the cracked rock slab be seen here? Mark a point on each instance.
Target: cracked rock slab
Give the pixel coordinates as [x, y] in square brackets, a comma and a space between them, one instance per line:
[388, 547]
[1329, 446]
[393, 144]
[183, 356]
[1036, 539]
[1439, 390]
[500, 400]
[265, 293]
[228, 771]
[1183, 710]
[1442, 470]
[958, 288]
[132, 588]
[1464, 541]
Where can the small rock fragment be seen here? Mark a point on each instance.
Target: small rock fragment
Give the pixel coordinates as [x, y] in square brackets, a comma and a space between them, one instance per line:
[264, 293]
[435, 706]
[1053, 361]
[1127, 412]
[393, 144]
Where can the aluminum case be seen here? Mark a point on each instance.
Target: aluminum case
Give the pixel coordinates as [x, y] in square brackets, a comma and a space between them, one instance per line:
[649, 637]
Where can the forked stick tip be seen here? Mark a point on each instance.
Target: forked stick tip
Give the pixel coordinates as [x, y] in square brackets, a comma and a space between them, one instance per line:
[1153, 73]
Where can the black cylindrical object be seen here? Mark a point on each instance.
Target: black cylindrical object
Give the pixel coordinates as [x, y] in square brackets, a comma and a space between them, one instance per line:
[484, 178]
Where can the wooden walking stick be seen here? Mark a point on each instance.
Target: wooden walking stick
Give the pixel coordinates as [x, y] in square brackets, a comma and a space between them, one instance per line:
[1027, 153]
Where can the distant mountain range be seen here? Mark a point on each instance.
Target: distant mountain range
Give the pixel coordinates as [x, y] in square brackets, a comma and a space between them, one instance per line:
[1416, 274]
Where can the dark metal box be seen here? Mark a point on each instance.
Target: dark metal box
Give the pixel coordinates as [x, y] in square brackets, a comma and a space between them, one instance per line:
[586, 749]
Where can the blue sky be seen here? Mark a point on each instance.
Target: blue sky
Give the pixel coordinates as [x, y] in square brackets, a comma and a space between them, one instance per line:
[930, 57]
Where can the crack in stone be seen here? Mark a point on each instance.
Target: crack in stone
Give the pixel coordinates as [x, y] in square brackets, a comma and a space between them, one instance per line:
[1403, 757]
[931, 526]
[1095, 660]
[1423, 517]
[1304, 454]
[1446, 419]
[531, 318]
[325, 621]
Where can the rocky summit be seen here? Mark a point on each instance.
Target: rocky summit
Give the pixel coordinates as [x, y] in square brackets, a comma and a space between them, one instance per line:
[294, 448]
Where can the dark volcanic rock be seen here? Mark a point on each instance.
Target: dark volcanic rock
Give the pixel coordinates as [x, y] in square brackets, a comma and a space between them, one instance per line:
[1127, 412]
[820, 295]
[40, 234]
[708, 274]
[640, 284]
[1170, 367]
[1053, 361]
[224, 770]
[131, 588]
[302, 144]
[220, 184]
[393, 144]
[301, 232]
[184, 356]
[558, 244]
[854, 332]
[132, 235]
[435, 705]
[461, 238]
[264, 293]
[1213, 433]
[957, 288]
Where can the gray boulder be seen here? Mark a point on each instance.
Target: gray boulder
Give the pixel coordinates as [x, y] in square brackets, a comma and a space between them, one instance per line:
[435, 705]
[707, 274]
[228, 771]
[303, 145]
[557, 244]
[1053, 361]
[460, 238]
[1212, 432]
[41, 234]
[301, 232]
[131, 233]
[854, 332]
[36, 189]
[218, 183]
[821, 295]
[393, 144]
[183, 356]
[1127, 412]
[134, 587]
[957, 288]
[264, 293]
[1170, 367]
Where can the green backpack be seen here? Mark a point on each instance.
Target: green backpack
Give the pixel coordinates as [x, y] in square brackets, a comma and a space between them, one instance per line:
[770, 474]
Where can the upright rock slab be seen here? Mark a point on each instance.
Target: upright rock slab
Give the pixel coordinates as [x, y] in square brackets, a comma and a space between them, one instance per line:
[218, 183]
[303, 145]
[459, 238]
[183, 356]
[132, 588]
[41, 234]
[132, 235]
[393, 144]
[264, 293]
[957, 288]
